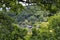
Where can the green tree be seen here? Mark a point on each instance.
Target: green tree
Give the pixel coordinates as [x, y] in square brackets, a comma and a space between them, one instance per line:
[54, 24]
[12, 4]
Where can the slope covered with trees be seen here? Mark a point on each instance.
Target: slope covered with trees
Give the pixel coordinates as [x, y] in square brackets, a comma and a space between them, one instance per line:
[39, 20]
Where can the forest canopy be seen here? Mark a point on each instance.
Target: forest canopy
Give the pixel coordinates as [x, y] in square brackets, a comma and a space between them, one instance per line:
[37, 20]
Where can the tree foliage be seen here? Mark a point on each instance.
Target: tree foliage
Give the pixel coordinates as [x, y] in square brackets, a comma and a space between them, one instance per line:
[40, 21]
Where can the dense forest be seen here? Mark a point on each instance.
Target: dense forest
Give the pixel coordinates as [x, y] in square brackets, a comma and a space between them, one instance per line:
[29, 19]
